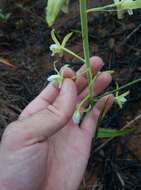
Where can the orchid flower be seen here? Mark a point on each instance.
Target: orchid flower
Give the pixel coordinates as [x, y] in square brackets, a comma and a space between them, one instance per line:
[128, 5]
[121, 99]
[58, 77]
[57, 47]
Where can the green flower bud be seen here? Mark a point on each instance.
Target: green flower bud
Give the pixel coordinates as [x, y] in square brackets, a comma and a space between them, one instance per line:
[53, 9]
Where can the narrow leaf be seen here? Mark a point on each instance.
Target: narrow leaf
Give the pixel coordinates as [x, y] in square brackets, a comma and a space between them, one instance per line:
[110, 133]
[53, 9]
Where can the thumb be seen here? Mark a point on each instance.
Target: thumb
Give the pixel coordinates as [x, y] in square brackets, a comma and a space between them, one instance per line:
[45, 123]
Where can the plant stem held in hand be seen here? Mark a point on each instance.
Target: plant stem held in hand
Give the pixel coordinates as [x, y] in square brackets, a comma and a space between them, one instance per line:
[84, 25]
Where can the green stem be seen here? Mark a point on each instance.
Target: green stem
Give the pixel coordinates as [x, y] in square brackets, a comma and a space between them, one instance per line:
[125, 86]
[120, 88]
[82, 102]
[73, 54]
[114, 5]
[84, 25]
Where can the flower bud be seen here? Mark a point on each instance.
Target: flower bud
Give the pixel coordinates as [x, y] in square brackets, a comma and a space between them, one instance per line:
[76, 117]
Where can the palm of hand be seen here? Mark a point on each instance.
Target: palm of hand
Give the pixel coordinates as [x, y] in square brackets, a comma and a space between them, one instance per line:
[58, 159]
[67, 157]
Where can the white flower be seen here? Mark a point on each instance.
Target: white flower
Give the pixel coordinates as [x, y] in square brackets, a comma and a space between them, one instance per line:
[53, 78]
[76, 117]
[56, 49]
[52, 47]
[59, 78]
[121, 100]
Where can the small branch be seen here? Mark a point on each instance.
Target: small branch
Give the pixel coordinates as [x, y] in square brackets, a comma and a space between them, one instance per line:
[130, 123]
[131, 34]
[97, 9]
[73, 54]
[121, 88]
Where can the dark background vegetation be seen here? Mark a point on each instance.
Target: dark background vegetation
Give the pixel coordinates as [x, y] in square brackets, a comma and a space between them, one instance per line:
[24, 42]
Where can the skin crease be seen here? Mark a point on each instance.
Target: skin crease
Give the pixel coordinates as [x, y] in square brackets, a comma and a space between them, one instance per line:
[44, 149]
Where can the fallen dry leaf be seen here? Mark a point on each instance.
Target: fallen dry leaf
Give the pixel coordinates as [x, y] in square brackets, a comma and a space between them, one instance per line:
[6, 62]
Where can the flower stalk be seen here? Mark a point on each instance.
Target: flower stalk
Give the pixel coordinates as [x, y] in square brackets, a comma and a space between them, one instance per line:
[84, 28]
[99, 9]
[73, 54]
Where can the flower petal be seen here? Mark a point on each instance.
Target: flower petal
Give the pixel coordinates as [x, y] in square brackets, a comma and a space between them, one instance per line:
[53, 77]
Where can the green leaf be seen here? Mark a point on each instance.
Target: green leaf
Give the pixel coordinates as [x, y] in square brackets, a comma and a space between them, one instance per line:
[53, 9]
[111, 133]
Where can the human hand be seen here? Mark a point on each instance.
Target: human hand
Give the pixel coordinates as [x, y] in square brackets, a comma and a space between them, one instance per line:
[44, 149]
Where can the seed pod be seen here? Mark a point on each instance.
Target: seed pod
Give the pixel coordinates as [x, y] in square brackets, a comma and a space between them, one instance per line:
[53, 9]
